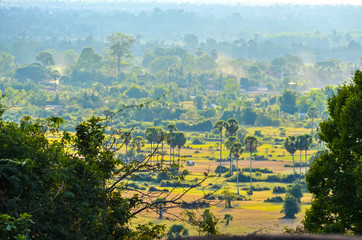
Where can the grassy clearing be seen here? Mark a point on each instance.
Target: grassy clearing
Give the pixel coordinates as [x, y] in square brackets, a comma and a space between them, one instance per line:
[253, 214]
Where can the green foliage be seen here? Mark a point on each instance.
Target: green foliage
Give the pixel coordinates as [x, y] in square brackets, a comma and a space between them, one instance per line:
[296, 191]
[274, 199]
[279, 189]
[89, 60]
[228, 218]
[291, 206]
[207, 223]
[15, 228]
[177, 231]
[335, 176]
[32, 71]
[228, 196]
[45, 58]
[287, 101]
[7, 64]
[71, 194]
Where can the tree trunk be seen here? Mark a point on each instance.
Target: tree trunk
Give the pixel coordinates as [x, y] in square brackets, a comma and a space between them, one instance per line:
[300, 167]
[231, 166]
[237, 176]
[220, 153]
[251, 174]
[293, 166]
[306, 159]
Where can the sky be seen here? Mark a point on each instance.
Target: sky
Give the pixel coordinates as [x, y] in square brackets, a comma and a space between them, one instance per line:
[227, 2]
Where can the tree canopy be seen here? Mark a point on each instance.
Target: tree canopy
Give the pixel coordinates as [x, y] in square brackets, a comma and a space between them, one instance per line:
[335, 176]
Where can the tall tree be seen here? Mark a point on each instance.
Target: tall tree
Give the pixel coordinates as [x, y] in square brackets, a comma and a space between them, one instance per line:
[251, 144]
[220, 125]
[312, 114]
[45, 58]
[301, 145]
[237, 150]
[309, 143]
[335, 177]
[291, 145]
[180, 140]
[118, 46]
[229, 143]
[170, 137]
[89, 60]
[232, 126]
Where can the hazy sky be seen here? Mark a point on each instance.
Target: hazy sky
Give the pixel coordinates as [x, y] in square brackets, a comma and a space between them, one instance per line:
[232, 2]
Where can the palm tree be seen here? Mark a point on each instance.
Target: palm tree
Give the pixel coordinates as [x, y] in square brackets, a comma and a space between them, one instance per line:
[162, 138]
[138, 142]
[237, 150]
[251, 144]
[308, 144]
[312, 114]
[149, 135]
[171, 128]
[220, 125]
[291, 145]
[301, 145]
[232, 126]
[229, 143]
[180, 141]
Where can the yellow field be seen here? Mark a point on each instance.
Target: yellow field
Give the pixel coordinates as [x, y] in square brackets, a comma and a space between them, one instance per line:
[253, 214]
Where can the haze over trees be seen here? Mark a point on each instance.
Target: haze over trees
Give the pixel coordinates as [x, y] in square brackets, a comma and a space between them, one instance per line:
[110, 110]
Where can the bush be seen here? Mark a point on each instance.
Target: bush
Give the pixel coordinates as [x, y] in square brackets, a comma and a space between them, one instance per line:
[153, 189]
[195, 205]
[197, 141]
[167, 183]
[282, 178]
[257, 189]
[135, 186]
[242, 178]
[274, 199]
[279, 189]
[163, 176]
[262, 170]
[223, 169]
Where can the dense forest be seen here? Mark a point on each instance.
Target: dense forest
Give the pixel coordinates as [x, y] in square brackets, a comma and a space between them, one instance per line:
[92, 94]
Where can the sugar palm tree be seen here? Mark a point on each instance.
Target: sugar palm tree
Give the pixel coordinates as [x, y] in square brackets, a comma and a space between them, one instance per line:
[290, 145]
[312, 114]
[251, 144]
[309, 143]
[170, 138]
[237, 150]
[301, 145]
[229, 143]
[232, 126]
[220, 125]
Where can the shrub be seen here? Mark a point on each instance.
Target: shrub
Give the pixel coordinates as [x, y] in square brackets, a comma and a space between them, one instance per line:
[262, 170]
[195, 205]
[279, 189]
[168, 183]
[153, 189]
[257, 189]
[223, 169]
[274, 199]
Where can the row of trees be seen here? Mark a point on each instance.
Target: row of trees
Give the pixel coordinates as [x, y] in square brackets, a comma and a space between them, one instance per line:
[301, 143]
[235, 146]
